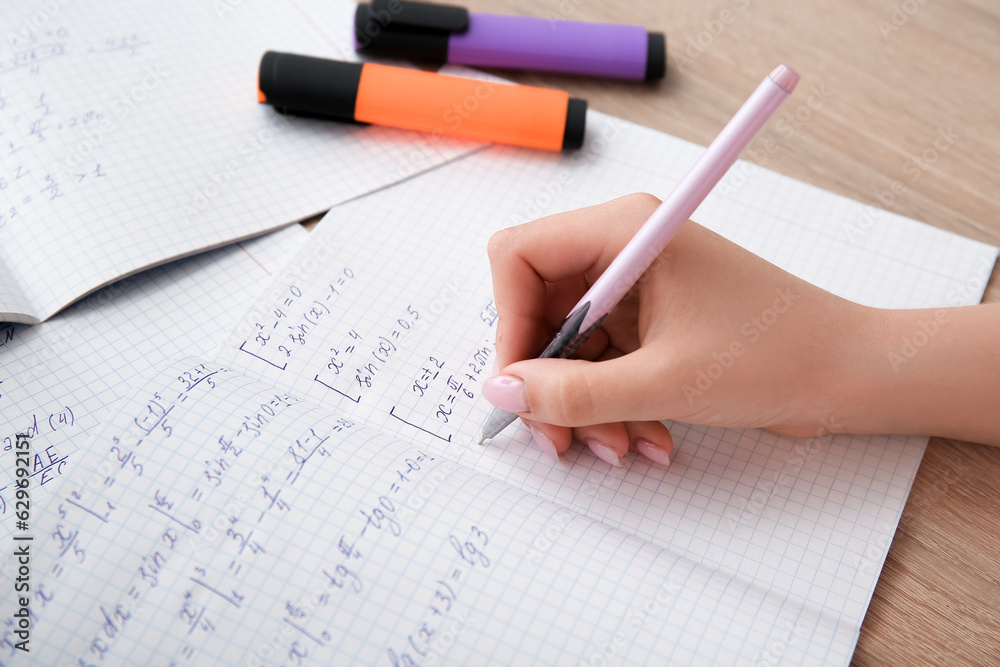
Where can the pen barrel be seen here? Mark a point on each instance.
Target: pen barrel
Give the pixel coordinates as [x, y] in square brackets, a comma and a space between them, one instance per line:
[423, 101]
[569, 47]
[637, 256]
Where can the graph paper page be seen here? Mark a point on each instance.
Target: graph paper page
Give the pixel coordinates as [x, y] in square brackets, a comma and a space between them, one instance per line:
[131, 134]
[394, 292]
[249, 527]
[58, 377]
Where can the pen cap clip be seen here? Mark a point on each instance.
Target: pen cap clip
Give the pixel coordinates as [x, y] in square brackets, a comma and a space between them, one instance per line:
[419, 30]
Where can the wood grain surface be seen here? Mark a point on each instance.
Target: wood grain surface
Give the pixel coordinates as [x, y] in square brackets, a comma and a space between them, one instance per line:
[881, 81]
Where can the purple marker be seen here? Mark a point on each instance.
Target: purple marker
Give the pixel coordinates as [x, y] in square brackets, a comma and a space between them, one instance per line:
[444, 33]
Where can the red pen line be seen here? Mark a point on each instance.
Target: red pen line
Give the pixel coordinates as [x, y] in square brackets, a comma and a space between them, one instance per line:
[253, 258]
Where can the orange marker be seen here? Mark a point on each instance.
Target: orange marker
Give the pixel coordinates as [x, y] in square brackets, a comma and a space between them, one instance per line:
[415, 100]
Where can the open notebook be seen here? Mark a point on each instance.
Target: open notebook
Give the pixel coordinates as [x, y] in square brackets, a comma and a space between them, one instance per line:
[60, 377]
[130, 135]
[225, 516]
[219, 521]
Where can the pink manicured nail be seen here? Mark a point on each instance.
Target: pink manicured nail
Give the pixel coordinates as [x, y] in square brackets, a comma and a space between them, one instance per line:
[542, 442]
[507, 393]
[652, 452]
[604, 453]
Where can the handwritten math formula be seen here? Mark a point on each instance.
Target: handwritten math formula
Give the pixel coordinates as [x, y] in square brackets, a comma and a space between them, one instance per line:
[46, 139]
[412, 364]
[213, 478]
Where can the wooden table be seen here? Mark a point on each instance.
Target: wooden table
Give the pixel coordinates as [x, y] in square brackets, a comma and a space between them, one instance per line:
[887, 78]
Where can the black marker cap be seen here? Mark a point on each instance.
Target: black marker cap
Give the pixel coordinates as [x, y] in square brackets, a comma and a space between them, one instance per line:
[576, 122]
[656, 56]
[307, 86]
[411, 30]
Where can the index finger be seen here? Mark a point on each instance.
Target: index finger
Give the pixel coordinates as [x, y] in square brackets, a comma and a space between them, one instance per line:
[523, 259]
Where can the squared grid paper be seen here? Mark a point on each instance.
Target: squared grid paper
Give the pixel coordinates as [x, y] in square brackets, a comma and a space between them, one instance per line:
[132, 135]
[475, 570]
[60, 376]
[420, 246]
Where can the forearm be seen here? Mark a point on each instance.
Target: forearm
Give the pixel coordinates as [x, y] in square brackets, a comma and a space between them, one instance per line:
[927, 371]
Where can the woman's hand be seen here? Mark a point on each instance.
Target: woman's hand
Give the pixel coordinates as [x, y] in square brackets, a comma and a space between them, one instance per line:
[710, 334]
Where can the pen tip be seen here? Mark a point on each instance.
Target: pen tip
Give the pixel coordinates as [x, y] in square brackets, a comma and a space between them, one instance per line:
[482, 440]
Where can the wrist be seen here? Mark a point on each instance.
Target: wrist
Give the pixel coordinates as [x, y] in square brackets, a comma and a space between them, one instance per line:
[861, 394]
[826, 390]
[917, 371]
[847, 353]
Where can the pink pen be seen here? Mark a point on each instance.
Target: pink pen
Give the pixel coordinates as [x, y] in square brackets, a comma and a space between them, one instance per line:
[588, 314]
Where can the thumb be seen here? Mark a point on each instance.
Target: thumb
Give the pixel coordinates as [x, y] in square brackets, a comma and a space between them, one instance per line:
[574, 392]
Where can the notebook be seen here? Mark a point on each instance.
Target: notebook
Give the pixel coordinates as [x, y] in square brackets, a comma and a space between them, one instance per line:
[302, 537]
[60, 377]
[131, 134]
[314, 495]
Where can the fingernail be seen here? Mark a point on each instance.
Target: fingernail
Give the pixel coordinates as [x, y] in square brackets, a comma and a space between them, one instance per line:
[506, 392]
[542, 442]
[652, 452]
[604, 453]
